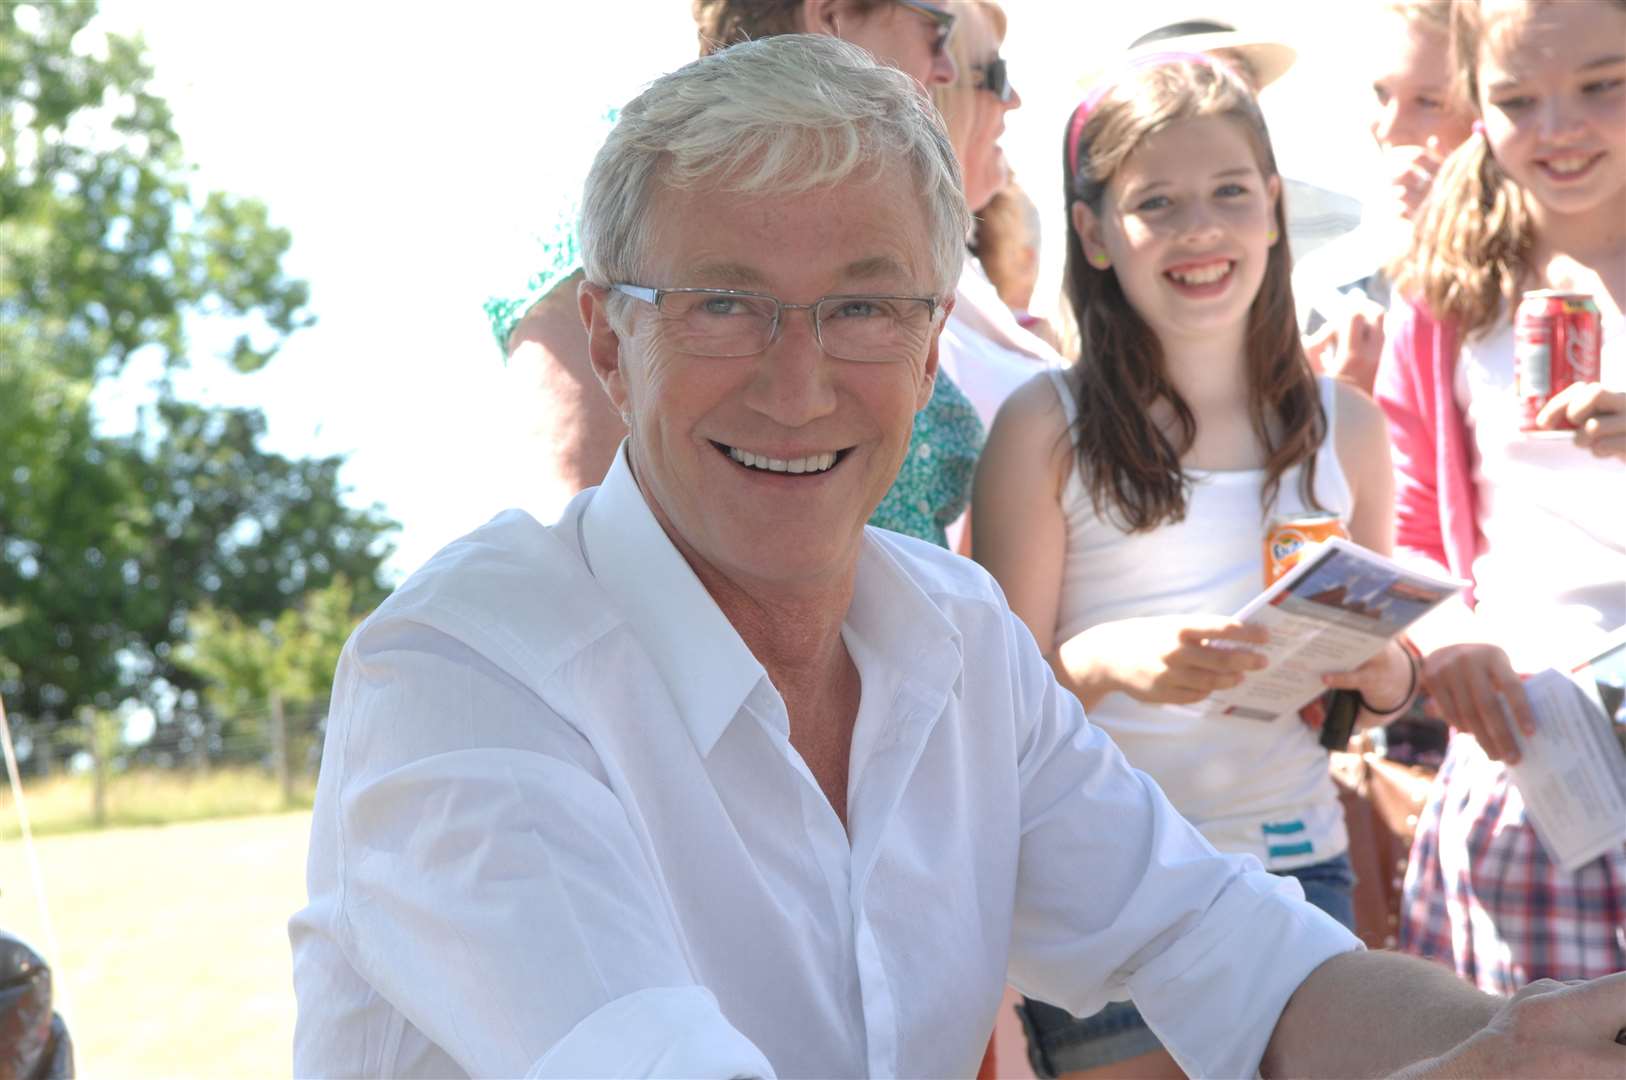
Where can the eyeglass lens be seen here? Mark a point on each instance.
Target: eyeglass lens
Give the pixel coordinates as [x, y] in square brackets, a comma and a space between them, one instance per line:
[867, 328]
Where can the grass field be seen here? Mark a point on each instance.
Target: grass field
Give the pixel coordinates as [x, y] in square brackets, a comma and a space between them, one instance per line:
[173, 956]
[64, 803]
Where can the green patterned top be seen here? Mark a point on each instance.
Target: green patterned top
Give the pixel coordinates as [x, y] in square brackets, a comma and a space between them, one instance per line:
[934, 483]
[558, 255]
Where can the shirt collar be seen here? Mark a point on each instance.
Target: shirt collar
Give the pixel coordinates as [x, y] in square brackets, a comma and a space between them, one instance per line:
[705, 664]
[897, 615]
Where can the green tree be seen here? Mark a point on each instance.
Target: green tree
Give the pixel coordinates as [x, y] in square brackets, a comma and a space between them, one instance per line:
[106, 249]
[245, 663]
[108, 544]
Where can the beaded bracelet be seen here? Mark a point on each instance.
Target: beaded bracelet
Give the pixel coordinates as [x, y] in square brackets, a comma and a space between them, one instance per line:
[1413, 661]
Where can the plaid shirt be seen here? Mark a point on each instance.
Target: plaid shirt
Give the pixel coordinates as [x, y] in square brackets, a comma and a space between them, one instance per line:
[1482, 896]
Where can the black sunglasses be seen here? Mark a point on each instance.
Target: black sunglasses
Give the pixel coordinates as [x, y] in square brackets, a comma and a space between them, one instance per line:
[994, 78]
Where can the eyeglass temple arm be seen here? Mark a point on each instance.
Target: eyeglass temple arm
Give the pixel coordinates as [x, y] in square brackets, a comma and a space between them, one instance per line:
[638, 292]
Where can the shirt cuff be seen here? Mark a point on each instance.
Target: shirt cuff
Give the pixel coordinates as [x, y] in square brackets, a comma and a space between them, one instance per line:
[1274, 940]
[660, 1031]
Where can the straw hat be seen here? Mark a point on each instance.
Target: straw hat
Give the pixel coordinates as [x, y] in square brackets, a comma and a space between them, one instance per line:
[1269, 59]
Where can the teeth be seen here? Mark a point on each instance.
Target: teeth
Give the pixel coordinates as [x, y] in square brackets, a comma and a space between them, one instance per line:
[814, 463]
[1203, 275]
[1569, 164]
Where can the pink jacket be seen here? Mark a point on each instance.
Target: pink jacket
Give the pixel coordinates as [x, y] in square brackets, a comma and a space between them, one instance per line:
[1435, 511]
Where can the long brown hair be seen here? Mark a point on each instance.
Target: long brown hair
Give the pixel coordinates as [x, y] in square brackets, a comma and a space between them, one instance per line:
[1471, 247]
[1128, 464]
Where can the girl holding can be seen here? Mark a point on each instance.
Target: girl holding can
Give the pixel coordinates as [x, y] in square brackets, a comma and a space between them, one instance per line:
[1534, 200]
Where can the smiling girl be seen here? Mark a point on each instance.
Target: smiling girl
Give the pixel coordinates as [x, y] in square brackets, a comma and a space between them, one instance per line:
[1121, 504]
[1536, 199]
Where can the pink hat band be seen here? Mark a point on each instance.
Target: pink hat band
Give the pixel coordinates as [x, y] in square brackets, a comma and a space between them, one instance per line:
[1104, 85]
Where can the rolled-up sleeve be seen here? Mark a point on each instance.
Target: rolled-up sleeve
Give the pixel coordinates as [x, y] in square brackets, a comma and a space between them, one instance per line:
[484, 880]
[1119, 896]
[665, 1031]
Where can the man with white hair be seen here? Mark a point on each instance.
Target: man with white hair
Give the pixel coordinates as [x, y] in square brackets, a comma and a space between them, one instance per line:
[708, 779]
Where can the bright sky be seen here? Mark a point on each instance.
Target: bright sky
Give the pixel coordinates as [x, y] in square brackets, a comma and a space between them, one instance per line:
[413, 148]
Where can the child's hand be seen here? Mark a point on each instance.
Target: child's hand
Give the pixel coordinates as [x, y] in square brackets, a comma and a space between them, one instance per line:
[1469, 683]
[1384, 682]
[1350, 345]
[1411, 172]
[1177, 659]
[1598, 416]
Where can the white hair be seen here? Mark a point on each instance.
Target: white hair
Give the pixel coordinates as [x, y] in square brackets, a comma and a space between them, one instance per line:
[786, 114]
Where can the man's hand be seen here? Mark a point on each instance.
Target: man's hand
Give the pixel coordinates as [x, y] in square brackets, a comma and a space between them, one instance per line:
[1469, 683]
[1547, 1031]
[1597, 415]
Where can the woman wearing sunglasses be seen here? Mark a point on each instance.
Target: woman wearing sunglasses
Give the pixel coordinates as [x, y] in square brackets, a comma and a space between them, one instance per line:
[983, 348]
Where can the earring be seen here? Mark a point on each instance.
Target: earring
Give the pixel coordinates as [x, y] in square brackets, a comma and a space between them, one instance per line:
[1271, 236]
[1100, 260]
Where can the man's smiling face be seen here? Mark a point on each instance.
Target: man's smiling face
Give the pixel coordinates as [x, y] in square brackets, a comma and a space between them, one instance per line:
[703, 428]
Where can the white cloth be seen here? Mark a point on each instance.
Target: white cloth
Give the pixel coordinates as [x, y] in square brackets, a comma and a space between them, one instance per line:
[1316, 216]
[561, 831]
[1251, 787]
[1553, 516]
[984, 349]
[1353, 263]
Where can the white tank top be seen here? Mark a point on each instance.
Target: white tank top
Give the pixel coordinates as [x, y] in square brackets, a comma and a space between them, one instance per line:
[1550, 581]
[1253, 787]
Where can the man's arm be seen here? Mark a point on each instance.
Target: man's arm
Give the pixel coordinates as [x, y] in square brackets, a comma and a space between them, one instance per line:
[1383, 1014]
[567, 429]
[1118, 895]
[474, 869]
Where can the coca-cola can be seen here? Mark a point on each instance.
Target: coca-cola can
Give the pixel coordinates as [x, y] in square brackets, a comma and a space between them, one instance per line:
[1557, 341]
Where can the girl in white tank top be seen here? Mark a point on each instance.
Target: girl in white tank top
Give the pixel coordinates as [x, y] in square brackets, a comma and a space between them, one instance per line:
[1122, 504]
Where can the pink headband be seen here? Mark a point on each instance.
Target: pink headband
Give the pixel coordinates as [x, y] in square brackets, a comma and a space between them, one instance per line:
[1103, 85]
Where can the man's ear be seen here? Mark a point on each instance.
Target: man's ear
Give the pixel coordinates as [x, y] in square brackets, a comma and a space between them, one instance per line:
[603, 342]
[1088, 227]
[929, 378]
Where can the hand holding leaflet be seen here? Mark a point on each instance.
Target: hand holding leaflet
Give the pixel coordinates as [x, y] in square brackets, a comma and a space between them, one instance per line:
[1332, 612]
[1572, 770]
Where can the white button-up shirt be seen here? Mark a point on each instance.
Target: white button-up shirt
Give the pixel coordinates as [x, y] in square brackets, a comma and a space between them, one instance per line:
[561, 831]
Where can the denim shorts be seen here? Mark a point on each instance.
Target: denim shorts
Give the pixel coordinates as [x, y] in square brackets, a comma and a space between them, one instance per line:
[1059, 1043]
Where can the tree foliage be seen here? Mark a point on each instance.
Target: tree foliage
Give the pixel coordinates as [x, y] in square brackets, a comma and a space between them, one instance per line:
[106, 249]
[245, 663]
[110, 543]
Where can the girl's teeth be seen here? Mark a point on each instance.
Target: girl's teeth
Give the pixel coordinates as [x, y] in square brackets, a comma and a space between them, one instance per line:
[813, 463]
[1204, 276]
[1568, 164]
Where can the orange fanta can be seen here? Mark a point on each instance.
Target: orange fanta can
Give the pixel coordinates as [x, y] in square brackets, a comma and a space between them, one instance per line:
[1286, 537]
